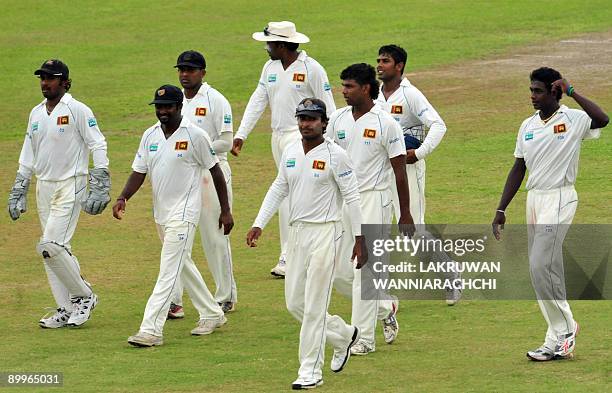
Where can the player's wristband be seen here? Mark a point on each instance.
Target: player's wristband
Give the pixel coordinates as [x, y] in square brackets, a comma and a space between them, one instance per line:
[124, 199]
[570, 91]
[501, 211]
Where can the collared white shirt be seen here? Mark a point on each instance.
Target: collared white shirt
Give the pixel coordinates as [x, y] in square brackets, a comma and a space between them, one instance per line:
[316, 184]
[283, 90]
[210, 111]
[417, 117]
[551, 150]
[175, 168]
[57, 146]
[370, 142]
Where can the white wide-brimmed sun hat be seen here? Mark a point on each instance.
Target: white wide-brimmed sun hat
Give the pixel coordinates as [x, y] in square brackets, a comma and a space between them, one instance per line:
[281, 31]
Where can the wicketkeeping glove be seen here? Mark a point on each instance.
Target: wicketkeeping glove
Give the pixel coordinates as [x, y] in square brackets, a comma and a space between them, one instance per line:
[99, 191]
[17, 202]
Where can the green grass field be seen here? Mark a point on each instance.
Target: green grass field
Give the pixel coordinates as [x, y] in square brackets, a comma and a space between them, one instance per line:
[471, 58]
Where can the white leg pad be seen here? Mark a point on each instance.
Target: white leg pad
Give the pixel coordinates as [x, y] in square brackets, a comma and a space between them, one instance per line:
[65, 268]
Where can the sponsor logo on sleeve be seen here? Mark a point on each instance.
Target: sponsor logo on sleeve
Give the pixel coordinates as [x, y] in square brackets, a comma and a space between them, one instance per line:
[326, 86]
[421, 112]
[560, 128]
[319, 165]
[369, 133]
[92, 122]
[212, 151]
[35, 126]
[341, 134]
[290, 163]
[397, 109]
[180, 145]
[271, 78]
[299, 77]
[63, 120]
[200, 112]
[343, 174]
[529, 136]
[153, 146]
[227, 119]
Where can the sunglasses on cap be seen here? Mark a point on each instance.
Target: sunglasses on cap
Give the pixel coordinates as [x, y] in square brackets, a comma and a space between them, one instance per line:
[267, 33]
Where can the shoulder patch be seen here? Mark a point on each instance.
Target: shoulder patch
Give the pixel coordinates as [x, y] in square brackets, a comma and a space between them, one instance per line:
[290, 162]
[326, 86]
[92, 121]
[227, 119]
[271, 78]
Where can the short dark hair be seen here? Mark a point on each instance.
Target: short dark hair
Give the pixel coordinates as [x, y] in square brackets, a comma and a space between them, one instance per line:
[363, 74]
[547, 76]
[398, 53]
[291, 46]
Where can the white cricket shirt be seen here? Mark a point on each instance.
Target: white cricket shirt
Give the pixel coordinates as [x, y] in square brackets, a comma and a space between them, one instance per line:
[370, 142]
[283, 90]
[417, 117]
[57, 146]
[551, 151]
[315, 183]
[210, 111]
[175, 168]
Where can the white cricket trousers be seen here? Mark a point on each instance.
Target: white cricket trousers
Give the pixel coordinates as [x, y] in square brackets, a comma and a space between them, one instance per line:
[313, 250]
[216, 245]
[416, 185]
[375, 209]
[280, 141]
[549, 215]
[177, 238]
[59, 205]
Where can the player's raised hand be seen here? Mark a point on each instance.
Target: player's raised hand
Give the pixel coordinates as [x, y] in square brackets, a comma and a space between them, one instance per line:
[360, 251]
[252, 236]
[237, 146]
[561, 85]
[119, 208]
[498, 224]
[226, 221]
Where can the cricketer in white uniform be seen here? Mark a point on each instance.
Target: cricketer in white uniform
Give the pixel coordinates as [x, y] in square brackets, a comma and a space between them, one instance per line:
[316, 176]
[61, 133]
[423, 130]
[375, 144]
[287, 78]
[174, 152]
[208, 109]
[548, 146]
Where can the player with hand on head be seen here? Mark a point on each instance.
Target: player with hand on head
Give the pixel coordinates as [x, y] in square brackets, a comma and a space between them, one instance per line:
[423, 131]
[548, 146]
[286, 79]
[208, 109]
[375, 144]
[174, 152]
[61, 133]
[316, 176]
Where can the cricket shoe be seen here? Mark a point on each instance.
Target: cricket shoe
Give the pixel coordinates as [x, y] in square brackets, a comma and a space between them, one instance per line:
[83, 306]
[362, 348]
[390, 325]
[57, 320]
[279, 269]
[542, 354]
[207, 326]
[227, 307]
[453, 295]
[567, 342]
[341, 357]
[175, 311]
[141, 339]
[302, 383]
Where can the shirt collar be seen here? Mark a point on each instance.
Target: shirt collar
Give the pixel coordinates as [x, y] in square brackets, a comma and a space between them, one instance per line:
[204, 88]
[302, 56]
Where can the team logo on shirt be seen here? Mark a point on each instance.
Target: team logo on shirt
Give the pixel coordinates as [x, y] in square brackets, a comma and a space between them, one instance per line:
[341, 134]
[320, 165]
[559, 128]
[369, 133]
[397, 109]
[299, 77]
[180, 145]
[92, 122]
[227, 119]
[200, 112]
[291, 163]
[63, 120]
[271, 78]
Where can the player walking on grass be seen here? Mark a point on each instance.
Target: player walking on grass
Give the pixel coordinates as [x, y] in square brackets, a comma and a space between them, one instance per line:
[174, 153]
[548, 146]
[60, 135]
[315, 176]
[375, 144]
[423, 131]
[286, 79]
[208, 109]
